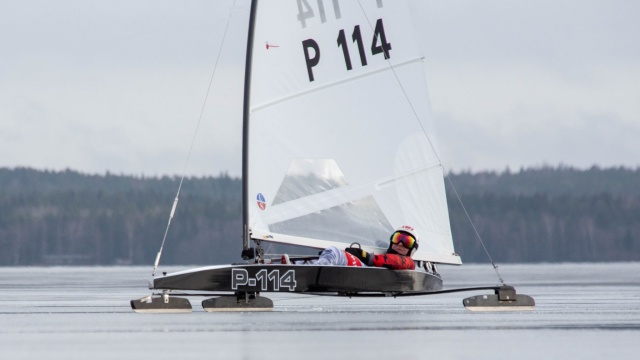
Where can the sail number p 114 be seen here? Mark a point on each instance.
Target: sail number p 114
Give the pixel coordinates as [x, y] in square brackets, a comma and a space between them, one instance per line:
[379, 45]
[268, 281]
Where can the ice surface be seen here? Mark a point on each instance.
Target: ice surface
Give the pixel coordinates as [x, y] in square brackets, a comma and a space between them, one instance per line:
[584, 311]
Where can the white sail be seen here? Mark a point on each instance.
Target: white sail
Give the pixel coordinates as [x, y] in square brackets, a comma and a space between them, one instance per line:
[340, 133]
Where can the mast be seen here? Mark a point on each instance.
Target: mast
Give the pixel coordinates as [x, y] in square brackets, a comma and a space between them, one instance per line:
[245, 129]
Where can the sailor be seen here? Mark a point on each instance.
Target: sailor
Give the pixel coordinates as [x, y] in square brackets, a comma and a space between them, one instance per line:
[403, 243]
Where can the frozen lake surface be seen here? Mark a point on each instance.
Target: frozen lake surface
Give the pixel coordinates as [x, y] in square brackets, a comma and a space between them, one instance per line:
[584, 311]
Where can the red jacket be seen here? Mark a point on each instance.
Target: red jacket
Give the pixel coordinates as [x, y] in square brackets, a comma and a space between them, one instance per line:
[394, 261]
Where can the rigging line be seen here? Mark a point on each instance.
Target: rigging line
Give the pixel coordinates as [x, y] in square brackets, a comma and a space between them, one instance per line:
[475, 230]
[444, 170]
[193, 140]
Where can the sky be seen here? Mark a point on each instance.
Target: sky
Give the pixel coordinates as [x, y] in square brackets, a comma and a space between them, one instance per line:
[119, 86]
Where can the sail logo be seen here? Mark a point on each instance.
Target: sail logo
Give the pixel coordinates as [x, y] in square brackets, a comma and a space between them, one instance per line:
[262, 204]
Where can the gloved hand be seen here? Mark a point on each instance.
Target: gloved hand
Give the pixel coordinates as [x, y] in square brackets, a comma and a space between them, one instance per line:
[364, 256]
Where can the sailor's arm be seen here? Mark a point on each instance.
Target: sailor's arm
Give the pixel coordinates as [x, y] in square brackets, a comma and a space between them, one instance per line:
[389, 261]
[393, 261]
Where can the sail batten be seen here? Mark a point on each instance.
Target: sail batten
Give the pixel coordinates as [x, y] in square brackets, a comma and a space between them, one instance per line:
[334, 197]
[336, 83]
[409, 175]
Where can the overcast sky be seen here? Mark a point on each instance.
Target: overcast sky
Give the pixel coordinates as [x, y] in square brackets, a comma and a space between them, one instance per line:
[118, 86]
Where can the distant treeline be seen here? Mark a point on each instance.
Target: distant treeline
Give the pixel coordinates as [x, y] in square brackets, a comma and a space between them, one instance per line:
[548, 214]
[533, 215]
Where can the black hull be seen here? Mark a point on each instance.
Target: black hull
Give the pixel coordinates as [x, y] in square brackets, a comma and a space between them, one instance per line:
[299, 279]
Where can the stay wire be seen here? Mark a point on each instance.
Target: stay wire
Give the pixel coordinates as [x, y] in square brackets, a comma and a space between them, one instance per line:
[444, 170]
[193, 140]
